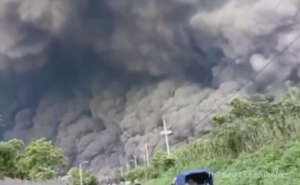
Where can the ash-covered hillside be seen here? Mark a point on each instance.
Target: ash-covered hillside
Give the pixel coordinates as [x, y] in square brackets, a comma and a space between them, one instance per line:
[98, 76]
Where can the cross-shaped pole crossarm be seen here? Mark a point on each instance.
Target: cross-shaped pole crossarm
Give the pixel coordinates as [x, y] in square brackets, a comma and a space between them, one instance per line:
[165, 132]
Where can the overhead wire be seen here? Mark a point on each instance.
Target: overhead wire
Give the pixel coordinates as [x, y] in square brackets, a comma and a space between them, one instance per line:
[250, 82]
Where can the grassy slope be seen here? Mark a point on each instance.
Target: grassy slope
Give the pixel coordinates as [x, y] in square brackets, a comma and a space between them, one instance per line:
[255, 144]
[274, 164]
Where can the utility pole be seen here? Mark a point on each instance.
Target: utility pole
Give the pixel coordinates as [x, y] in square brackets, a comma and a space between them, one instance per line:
[135, 161]
[122, 172]
[80, 171]
[165, 132]
[147, 160]
[128, 167]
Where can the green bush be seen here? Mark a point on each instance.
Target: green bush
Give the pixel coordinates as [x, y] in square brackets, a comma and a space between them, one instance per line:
[10, 153]
[40, 160]
[162, 161]
[134, 174]
[87, 177]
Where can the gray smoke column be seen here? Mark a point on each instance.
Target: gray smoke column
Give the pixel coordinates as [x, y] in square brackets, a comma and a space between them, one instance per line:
[253, 33]
[26, 30]
[98, 76]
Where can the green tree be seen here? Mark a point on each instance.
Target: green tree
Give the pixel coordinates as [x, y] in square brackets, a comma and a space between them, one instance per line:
[10, 153]
[41, 160]
[87, 177]
[38, 161]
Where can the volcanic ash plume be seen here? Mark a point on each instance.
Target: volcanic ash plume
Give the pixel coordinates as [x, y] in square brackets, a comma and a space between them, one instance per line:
[97, 77]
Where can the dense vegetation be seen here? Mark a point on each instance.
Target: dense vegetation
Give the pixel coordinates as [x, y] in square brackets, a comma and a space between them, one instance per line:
[38, 161]
[255, 143]
[87, 178]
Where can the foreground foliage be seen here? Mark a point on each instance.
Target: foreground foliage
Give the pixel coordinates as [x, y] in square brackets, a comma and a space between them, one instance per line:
[39, 160]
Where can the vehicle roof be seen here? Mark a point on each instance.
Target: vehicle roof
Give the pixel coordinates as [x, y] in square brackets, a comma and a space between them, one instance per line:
[180, 180]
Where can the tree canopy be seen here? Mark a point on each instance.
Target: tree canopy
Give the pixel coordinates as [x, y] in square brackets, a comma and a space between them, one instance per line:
[39, 160]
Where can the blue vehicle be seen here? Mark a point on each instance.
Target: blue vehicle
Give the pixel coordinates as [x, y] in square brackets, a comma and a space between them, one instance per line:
[195, 177]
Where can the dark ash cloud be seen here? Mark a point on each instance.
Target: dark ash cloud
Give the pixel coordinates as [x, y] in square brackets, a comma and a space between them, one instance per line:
[98, 76]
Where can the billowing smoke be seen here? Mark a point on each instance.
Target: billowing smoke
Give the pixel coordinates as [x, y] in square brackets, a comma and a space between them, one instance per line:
[254, 33]
[97, 77]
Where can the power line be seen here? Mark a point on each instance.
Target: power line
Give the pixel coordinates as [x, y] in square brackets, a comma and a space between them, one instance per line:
[249, 83]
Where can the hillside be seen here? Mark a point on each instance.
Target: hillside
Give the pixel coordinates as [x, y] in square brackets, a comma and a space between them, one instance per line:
[275, 164]
[256, 142]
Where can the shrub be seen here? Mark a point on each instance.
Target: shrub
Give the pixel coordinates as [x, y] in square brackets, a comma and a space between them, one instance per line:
[87, 177]
[10, 153]
[162, 161]
[40, 160]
